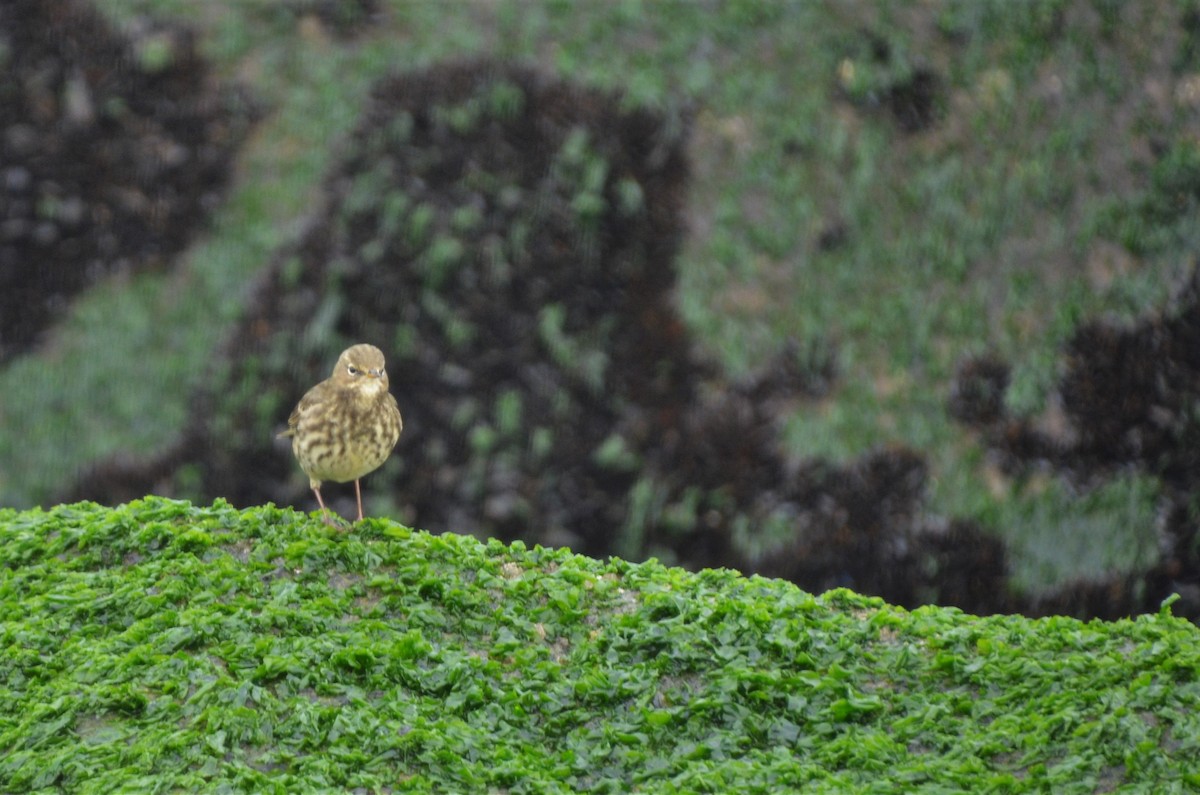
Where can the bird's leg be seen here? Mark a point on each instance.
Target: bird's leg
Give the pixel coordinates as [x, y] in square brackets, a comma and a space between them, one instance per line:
[358, 495]
[324, 511]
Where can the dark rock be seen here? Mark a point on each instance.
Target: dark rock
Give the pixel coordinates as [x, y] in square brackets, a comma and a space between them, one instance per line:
[113, 147]
[1131, 396]
[977, 392]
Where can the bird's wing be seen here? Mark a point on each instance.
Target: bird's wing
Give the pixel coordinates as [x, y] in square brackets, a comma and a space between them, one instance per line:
[293, 421]
[314, 395]
[396, 408]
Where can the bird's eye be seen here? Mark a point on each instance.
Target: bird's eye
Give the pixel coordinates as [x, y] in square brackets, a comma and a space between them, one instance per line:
[353, 370]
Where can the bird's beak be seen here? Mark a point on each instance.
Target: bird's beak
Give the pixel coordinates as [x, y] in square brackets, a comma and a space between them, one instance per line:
[373, 373]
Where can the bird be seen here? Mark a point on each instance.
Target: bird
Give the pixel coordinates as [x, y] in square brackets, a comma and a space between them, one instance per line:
[346, 426]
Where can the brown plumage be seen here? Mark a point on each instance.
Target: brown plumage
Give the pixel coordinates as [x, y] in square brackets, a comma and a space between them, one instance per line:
[346, 426]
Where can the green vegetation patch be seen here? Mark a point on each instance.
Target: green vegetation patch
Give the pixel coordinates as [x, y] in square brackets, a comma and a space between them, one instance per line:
[164, 647]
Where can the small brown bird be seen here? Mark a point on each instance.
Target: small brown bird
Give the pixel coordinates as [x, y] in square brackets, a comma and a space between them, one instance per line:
[347, 425]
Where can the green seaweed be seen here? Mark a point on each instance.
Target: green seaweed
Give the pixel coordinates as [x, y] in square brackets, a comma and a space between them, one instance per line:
[162, 647]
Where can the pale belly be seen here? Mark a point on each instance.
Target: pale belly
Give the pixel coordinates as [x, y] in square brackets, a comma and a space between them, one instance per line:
[340, 454]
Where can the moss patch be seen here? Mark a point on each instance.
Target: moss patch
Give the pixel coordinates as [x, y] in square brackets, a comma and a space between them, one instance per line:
[160, 646]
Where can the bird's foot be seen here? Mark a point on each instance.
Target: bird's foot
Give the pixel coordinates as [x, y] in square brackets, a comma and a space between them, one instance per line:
[334, 521]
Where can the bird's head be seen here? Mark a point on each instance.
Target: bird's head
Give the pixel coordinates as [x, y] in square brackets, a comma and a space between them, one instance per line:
[361, 368]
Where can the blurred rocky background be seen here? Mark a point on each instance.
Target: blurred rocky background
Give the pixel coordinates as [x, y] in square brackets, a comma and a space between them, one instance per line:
[903, 300]
[114, 148]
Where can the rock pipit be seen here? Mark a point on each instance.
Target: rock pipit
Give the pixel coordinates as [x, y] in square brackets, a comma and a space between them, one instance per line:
[347, 425]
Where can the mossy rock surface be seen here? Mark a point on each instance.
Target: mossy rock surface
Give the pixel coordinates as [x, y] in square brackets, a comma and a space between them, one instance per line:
[160, 647]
